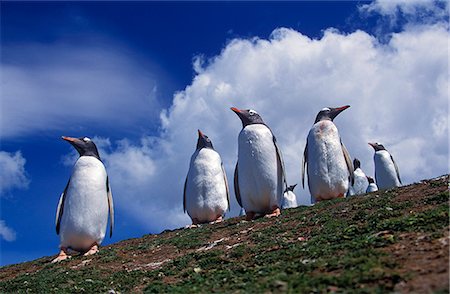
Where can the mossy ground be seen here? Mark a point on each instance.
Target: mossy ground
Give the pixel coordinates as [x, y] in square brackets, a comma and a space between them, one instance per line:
[395, 240]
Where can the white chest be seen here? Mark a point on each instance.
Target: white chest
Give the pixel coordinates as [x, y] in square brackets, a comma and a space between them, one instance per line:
[327, 169]
[206, 197]
[85, 213]
[361, 182]
[260, 175]
[385, 173]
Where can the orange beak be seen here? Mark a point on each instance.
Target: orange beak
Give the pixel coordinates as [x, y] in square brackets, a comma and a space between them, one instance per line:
[69, 139]
[236, 110]
[342, 108]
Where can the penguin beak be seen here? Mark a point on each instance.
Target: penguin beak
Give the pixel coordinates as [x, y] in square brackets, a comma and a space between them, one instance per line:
[236, 110]
[200, 134]
[69, 139]
[374, 145]
[335, 111]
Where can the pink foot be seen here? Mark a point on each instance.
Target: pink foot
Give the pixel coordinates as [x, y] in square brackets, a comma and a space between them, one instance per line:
[93, 250]
[275, 212]
[218, 220]
[62, 255]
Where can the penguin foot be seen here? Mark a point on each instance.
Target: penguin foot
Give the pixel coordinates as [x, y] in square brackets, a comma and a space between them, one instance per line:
[250, 215]
[218, 220]
[275, 212]
[93, 250]
[62, 255]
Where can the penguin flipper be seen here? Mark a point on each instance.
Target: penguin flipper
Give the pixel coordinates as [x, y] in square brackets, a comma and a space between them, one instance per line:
[110, 207]
[304, 163]
[184, 195]
[281, 163]
[60, 208]
[396, 169]
[348, 161]
[226, 187]
[236, 186]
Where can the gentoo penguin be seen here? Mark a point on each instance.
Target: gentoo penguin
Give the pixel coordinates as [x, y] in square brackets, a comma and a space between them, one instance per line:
[360, 183]
[259, 174]
[206, 196]
[372, 186]
[386, 170]
[328, 162]
[289, 198]
[82, 214]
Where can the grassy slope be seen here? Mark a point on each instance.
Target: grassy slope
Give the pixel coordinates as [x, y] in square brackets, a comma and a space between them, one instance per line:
[391, 241]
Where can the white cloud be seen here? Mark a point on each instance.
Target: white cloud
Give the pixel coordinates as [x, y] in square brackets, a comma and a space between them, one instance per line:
[409, 12]
[7, 233]
[74, 88]
[397, 92]
[13, 174]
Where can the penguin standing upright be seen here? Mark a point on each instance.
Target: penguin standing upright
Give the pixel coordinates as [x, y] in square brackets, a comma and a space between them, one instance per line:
[82, 214]
[360, 183]
[259, 174]
[386, 170]
[327, 160]
[289, 198]
[372, 186]
[206, 196]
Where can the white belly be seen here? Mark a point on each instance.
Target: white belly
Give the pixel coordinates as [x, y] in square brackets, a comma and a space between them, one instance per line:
[361, 182]
[85, 214]
[289, 200]
[260, 174]
[206, 196]
[372, 188]
[327, 169]
[385, 173]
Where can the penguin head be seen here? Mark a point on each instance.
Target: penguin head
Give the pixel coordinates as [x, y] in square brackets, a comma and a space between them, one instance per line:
[290, 188]
[248, 117]
[370, 179]
[84, 146]
[377, 146]
[356, 163]
[203, 141]
[329, 113]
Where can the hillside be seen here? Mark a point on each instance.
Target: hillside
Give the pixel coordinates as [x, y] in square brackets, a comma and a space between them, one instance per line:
[397, 240]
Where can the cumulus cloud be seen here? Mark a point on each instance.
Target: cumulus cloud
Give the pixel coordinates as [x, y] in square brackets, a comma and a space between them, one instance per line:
[13, 174]
[397, 92]
[46, 87]
[7, 233]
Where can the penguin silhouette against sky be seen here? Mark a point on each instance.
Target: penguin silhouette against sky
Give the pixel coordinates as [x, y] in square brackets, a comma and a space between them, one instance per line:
[386, 170]
[328, 163]
[82, 214]
[259, 175]
[360, 183]
[206, 196]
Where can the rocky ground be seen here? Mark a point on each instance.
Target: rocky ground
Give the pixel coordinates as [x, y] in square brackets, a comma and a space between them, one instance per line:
[391, 241]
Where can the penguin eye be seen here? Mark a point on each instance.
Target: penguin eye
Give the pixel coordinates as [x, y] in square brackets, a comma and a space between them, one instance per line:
[251, 112]
[86, 139]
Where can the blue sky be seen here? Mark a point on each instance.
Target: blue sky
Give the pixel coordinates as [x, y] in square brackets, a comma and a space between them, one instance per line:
[140, 78]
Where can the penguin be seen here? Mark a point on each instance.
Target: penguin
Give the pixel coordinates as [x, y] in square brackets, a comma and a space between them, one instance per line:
[206, 196]
[360, 183]
[259, 174]
[289, 198]
[82, 213]
[372, 186]
[386, 170]
[328, 163]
